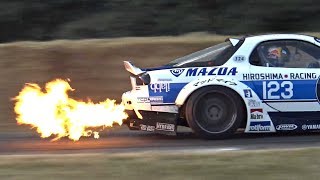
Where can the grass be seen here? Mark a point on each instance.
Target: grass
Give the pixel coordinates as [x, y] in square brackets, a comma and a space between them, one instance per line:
[275, 164]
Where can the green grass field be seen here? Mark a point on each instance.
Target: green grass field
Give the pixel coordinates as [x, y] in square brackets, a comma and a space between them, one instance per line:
[276, 164]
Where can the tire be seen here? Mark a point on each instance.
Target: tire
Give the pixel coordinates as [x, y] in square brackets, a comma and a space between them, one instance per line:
[215, 112]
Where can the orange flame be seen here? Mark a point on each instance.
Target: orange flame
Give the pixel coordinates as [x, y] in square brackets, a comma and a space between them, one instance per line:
[53, 113]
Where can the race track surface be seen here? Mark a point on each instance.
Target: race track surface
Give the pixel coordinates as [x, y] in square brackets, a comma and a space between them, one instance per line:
[136, 141]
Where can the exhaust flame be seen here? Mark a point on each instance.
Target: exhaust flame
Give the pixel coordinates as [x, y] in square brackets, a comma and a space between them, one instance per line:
[53, 113]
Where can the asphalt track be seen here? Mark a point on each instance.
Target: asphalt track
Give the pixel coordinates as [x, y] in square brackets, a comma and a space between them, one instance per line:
[126, 141]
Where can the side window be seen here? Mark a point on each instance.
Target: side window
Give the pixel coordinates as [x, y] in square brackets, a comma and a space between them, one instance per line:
[286, 53]
[255, 59]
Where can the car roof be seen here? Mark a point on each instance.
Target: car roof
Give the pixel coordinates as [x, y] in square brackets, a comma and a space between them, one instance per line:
[267, 37]
[277, 36]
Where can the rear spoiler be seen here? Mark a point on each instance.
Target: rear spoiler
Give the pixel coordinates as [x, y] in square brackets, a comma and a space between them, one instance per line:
[131, 68]
[234, 41]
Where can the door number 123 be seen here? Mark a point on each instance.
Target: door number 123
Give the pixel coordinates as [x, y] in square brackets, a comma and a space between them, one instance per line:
[277, 90]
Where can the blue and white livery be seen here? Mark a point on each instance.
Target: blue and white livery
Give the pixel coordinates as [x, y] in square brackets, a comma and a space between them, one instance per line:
[265, 83]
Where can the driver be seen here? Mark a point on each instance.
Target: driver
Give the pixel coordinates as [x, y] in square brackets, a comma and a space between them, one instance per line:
[276, 56]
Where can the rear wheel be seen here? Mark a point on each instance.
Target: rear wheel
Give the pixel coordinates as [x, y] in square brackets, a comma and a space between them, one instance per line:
[214, 112]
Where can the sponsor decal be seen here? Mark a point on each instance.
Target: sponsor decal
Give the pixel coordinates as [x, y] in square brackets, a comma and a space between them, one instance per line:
[239, 58]
[260, 126]
[176, 72]
[168, 95]
[310, 127]
[256, 113]
[143, 100]
[199, 83]
[272, 90]
[156, 99]
[144, 127]
[151, 99]
[303, 76]
[286, 127]
[227, 82]
[164, 79]
[272, 76]
[247, 93]
[213, 71]
[262, 76]
[160, 87]
[164, 127]
[253, 103]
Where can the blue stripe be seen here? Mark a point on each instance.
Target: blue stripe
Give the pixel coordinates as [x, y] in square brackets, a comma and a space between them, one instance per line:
[168, 97]
[302, 89]
[262, 123]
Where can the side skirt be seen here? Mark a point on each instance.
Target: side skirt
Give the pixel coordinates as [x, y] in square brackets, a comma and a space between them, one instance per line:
[296, 121]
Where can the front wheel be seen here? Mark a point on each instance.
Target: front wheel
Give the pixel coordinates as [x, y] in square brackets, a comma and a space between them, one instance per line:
[214, 112]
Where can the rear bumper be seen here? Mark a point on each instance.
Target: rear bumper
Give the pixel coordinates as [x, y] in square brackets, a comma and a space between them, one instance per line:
[147, 117]
[131, 115]
[159, 122]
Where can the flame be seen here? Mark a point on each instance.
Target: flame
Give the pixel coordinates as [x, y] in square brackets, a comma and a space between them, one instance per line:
[53, 113]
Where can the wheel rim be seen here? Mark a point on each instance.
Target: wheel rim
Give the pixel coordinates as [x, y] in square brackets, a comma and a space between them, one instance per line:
[215, 112]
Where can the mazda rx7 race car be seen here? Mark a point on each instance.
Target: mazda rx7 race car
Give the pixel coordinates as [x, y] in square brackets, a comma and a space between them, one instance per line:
[265, 83]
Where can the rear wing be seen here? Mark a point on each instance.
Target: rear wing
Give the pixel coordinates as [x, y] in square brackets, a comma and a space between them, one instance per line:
[131, 68]
[234, 41]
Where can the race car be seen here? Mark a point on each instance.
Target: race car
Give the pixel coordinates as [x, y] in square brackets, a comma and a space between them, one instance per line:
[261, 84]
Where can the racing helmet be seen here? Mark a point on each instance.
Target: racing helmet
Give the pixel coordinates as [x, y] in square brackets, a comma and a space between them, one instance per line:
[276, 56]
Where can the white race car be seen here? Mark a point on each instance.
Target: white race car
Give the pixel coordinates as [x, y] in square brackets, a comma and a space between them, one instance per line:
[265, 83]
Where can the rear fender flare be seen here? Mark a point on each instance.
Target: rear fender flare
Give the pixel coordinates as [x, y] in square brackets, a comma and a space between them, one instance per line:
[231, 83]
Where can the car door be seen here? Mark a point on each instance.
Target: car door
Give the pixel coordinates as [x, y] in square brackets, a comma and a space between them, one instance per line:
[284, 74]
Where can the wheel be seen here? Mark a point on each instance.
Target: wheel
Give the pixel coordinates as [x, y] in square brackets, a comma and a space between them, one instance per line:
[214, 112]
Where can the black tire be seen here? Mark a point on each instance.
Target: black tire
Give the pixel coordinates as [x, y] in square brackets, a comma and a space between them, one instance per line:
[215, 112]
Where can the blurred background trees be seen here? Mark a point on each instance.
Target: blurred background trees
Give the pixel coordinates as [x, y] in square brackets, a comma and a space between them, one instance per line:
[75, 19]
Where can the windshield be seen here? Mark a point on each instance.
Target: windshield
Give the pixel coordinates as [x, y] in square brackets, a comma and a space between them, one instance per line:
[211, 56]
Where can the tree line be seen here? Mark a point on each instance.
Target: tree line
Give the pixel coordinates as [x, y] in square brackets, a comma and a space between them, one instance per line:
[76, 19]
